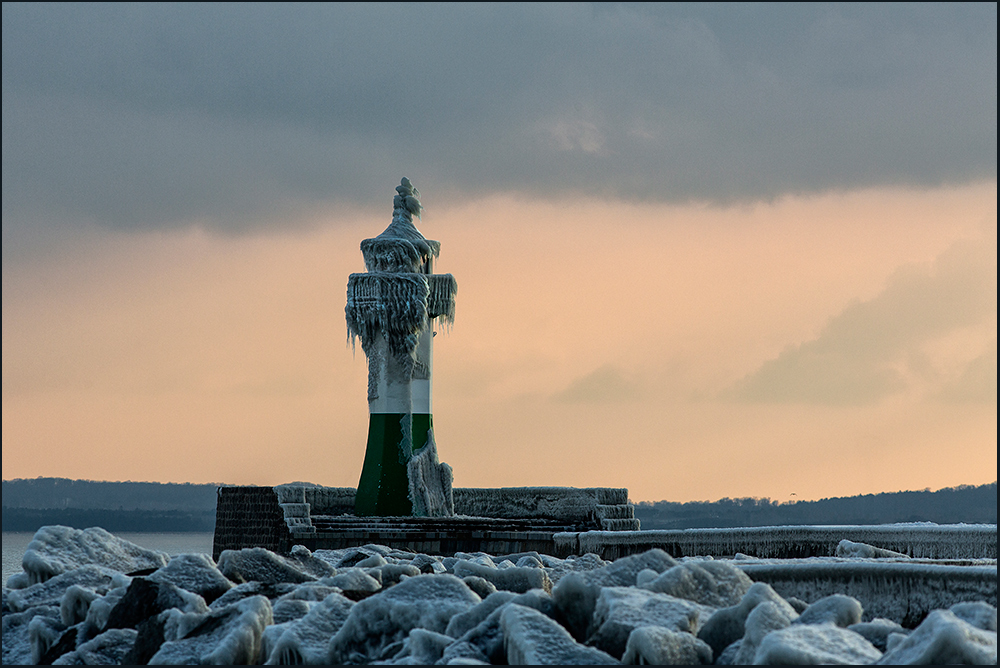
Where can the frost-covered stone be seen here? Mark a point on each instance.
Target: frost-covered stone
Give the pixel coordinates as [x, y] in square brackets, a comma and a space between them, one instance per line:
[531, 638]
[877, 631]
[255, 564]
[43, 633]
[714, 583]
[815, 644]
[50, 592]
[481, 586]
[464, 621]
[16, 643]
[726, 626]
[944, 638]
[762, 620]
[846, 548]
[354, 583]
[229, 636]
[422, 648]
[577, 591]
[620, 610]
[145, 599]
[75, 604]
[518, 580]
[392, 573]
[424, 601]
[271, 592]
[980, 614]
[195, 573]
[107, 649]
[58, 549]
[557, 568]
[288, 610]
[658, 646]
[835, 609]
[306, 641]
[484, 641]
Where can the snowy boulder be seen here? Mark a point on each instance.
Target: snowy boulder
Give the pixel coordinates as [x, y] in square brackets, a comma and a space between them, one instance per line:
[421, 648]
[290, 609]
[980, 614]
[557, 568]
[484, 641]
[621, 610]
[531, 638]
[726, 626]
[846, 548]
[256, 564]
[58, 549]
[195, 573]
[762, 620]
[16, 642]
[50, 592]
[464, 621]
[658, 646]
[75, 604]
[944, 638]
[144, 599]
[306, 641]
[877, 631]
[43, 633]
[107, 649]
[481, 586]
[228, 636]
[424, 601]
[835, 609]
[815, 644]
[518, 580]
[354, 583]
[392, 573]
[713, 583]
[272, 592]
[576, 592]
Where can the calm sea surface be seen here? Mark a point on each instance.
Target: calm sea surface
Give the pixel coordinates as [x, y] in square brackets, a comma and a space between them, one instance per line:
[15, 543]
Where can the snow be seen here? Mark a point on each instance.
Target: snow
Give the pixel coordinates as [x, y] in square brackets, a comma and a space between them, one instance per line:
[621, 610]
[714, 583]
[260, 565]
[58, 549]
[531, 638]
[306, 641]
[513, 579]
[196, 573]
[231, 635]
[727, 625]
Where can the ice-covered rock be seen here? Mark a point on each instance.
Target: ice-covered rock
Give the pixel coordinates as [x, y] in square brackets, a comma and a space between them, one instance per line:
[231, 635]
[195, 573]
[464, 621]
[518, 580]
[271, 592]
[846, 548]
[484, 641]
[75, 604]
[290, 609]
[481, 586]
[815, 644]
[762, 620]
[577, 591]
[658, 646]
[877, 631]
[531, 638]
[43, 633]
[980, 614]
[427, 564]
[256, 564]
[107, 649]
[726, 626]
[944, 638]
[713, 583]
[393, 573]
[98, 612]
[557, 568]
[51, 591]
[424, 601]
[306, 641]
[620, 610]
[58, 549]
[835, 609]
[421, 648]
[354, 583]
[145, 599]
[16, 643]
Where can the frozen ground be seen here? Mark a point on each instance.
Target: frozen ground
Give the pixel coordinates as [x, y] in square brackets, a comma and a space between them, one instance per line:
[87, 597]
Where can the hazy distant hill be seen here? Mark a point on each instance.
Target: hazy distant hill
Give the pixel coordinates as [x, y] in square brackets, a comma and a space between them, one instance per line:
[150, 506]
[952, 505]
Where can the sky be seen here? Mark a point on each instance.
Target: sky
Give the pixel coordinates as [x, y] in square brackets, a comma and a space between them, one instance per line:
[703, 251]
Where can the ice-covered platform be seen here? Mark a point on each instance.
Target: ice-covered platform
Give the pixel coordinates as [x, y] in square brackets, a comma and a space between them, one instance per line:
[928, 541]
[495, 520]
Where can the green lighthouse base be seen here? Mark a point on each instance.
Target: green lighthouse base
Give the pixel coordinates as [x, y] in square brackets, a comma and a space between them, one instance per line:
[384, 488]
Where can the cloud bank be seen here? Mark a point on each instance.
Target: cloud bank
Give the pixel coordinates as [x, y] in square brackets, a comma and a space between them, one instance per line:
[141, 116]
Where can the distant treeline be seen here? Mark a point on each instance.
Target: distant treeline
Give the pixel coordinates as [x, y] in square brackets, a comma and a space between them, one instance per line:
[952, 505]
[55, 493]
[155, 521]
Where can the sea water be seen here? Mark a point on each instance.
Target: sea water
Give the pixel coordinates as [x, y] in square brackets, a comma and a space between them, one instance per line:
[16, 542]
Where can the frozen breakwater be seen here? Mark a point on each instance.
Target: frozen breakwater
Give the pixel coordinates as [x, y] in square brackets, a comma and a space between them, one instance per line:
[87, 597]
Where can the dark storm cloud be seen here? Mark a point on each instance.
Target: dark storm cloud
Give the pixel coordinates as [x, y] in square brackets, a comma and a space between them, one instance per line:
[143, 115]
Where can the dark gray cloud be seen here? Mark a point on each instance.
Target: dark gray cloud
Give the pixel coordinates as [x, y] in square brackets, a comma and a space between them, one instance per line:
[144, 115]
[875, 348]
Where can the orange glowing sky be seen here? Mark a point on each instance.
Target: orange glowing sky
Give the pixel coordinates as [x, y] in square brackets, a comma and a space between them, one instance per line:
[703, 251]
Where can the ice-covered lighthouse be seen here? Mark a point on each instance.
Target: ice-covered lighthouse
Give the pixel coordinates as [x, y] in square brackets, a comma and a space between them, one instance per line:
[392, 308]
